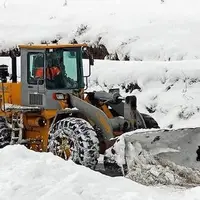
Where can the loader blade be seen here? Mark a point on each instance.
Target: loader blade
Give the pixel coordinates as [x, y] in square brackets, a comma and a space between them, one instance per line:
[150, 157]
[179, 146]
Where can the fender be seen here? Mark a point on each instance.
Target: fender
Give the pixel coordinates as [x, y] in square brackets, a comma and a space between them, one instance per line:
[63, 113]
[93, 114]
[88, 112]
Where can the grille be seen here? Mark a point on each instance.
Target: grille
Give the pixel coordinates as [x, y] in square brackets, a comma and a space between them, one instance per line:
[35, 99]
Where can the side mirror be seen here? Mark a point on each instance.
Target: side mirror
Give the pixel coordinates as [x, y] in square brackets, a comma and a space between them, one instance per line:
[91, 63]
[89, 55]
[91, 60]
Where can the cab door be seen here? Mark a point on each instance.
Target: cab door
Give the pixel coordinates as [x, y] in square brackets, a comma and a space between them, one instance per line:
[32, 77]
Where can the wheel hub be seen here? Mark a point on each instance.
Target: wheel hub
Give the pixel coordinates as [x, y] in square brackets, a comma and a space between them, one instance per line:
[65, 148]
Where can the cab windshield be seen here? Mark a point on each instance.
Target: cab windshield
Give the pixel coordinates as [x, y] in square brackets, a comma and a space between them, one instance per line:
[62, 69]
[57, 68]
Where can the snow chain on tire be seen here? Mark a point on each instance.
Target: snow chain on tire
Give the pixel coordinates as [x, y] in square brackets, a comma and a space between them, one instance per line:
[82, 141]
[5, 133]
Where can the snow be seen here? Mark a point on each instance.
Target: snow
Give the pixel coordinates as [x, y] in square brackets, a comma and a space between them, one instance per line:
[141, 30]
[170, 90]
[151, 31]
[26, 174]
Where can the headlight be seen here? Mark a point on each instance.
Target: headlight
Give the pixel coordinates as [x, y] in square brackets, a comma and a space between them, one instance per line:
[59, 96]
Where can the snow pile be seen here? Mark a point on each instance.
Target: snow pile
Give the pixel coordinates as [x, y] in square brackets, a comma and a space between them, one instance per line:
[148, 169]
[169, 92]
[26, 174]
[129, 29]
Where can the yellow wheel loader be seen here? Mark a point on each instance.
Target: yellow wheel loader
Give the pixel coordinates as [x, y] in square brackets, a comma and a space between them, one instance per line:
[49, 110]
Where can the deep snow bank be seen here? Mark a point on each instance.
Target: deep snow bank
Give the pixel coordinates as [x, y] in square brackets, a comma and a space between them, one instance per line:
[135, 30]
[167, 91]
[25, 174]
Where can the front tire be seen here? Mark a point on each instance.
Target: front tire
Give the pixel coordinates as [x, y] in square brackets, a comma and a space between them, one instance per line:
[75, 139]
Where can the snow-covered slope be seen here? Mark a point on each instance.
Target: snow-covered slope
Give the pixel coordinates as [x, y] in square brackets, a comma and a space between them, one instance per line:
[137, 30]
[168, 91]
[25, 174]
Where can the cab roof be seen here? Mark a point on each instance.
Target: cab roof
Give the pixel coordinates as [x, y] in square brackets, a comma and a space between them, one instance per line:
[50, 46]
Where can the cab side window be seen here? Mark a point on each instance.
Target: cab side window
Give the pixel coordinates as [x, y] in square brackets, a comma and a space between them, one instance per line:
[35, 68]
[70, 63]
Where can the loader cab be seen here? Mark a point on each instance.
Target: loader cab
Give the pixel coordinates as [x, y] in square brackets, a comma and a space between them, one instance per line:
[49, 69]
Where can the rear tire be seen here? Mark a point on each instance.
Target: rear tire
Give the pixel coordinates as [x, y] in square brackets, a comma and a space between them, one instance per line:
[111, 166]
[81, 138]
[150, 121]
[5, 133]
